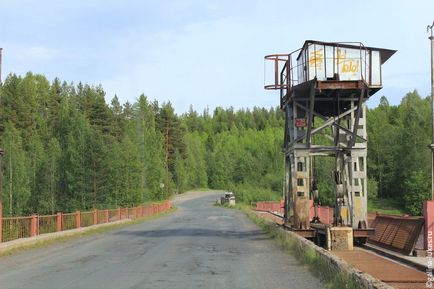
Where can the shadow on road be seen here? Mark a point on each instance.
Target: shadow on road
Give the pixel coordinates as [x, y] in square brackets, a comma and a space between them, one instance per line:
[255, 235]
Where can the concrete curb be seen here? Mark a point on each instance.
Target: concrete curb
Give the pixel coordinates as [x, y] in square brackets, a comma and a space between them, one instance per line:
[25, 242]
[337, 264]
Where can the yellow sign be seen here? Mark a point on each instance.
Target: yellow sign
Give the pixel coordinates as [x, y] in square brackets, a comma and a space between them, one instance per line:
[316, 58]
[347, 65]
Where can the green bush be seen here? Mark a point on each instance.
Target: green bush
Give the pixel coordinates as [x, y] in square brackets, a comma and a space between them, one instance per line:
[372, 189]
[417, 190]
[326, 193]
[248, 194]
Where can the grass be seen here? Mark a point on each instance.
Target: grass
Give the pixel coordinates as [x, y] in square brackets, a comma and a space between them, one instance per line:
[307, 257]
[91, 231]
[387, 206]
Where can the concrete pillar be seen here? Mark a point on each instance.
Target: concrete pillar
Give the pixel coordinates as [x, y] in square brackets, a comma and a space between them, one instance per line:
[95, 217]
[34, 225]
[59, 222]
[78, 219]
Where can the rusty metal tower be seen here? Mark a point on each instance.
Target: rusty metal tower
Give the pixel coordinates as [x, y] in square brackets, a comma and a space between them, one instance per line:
[323, 89]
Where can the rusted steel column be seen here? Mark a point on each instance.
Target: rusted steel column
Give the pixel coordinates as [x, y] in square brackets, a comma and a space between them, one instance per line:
[78, 219]
[428, 214]
[59, 222]
[33, 226]
[1, 222]
[119, 214]
[95, 216]
[431, 38]
[107, 216]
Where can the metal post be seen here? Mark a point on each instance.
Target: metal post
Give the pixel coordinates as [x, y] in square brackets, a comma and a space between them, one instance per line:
[1, 181]
[1, 52]
[1, 222]
[430, 29]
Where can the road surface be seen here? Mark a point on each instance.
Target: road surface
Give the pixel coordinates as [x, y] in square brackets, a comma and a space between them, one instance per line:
[198, 246]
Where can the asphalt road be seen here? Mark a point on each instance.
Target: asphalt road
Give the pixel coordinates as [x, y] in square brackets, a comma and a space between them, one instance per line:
[198, 246]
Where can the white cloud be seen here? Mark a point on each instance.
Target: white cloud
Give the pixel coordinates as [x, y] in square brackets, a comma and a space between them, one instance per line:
[210, 53]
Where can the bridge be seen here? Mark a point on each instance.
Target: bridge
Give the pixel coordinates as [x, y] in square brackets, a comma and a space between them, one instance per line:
[197, 246]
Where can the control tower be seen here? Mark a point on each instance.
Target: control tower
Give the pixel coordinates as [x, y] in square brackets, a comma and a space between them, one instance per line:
[323, 89]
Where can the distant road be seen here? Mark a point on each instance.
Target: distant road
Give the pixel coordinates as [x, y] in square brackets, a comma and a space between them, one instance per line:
[198, 246]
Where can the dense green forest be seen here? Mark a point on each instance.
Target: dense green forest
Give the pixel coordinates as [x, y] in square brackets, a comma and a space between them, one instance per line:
[399, 160]
[65, 149]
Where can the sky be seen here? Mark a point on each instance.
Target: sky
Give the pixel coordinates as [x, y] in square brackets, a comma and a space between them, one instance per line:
[205, 53]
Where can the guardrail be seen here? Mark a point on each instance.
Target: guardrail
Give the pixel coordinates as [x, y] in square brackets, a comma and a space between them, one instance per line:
[271, 206]
[323, 212]
[12, 228]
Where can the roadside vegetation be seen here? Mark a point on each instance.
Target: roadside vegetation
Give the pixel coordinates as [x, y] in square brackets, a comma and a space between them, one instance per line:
[386, 206]
[309, 258]
[66, 149]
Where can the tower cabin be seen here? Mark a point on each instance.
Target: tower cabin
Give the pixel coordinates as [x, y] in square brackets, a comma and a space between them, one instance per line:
[338, 71]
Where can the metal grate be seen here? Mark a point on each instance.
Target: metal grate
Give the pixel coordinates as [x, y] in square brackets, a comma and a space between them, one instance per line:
[396, 232]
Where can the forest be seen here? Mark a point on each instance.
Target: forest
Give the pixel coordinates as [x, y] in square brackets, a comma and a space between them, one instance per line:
[65, 148]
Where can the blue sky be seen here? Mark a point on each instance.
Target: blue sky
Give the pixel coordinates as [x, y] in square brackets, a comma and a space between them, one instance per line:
[205, 53]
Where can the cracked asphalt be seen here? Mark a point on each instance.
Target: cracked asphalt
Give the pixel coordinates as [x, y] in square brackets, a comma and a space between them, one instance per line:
[198, 246]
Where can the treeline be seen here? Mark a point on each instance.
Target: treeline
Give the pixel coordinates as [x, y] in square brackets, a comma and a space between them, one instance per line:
[399, 160]
[65, 149]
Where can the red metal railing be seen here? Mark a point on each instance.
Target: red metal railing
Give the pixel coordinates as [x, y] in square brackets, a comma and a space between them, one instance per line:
[12, 228]
[16, 228]
[69, 221]
[47, 224]
[86, 219]
[276, 207]
[325, 214]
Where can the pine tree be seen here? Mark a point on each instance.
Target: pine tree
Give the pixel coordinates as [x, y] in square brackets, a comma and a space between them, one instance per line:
[16, 187]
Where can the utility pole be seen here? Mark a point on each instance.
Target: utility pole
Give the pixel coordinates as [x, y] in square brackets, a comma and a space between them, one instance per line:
[431, 37]
[1, 51]
[166, 136]
[1, 185]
